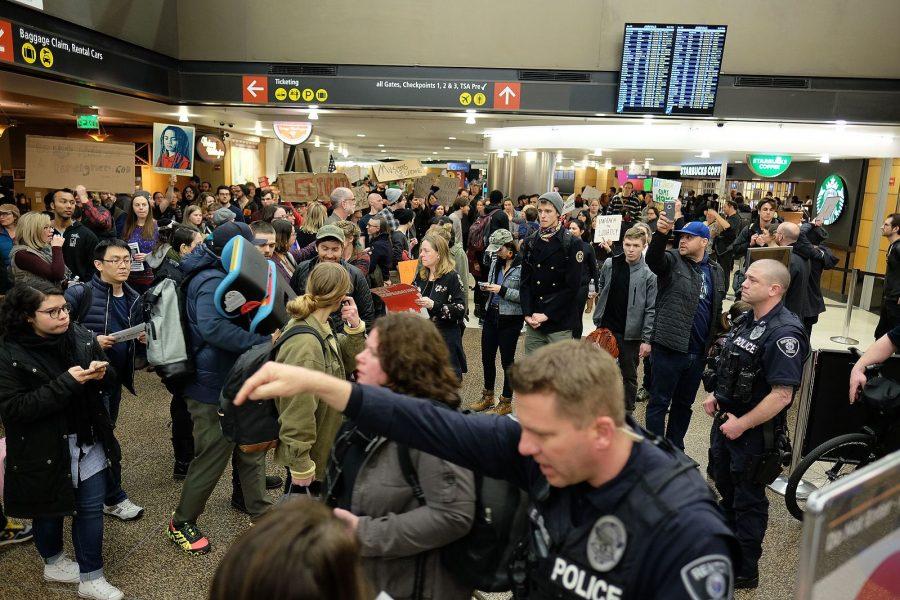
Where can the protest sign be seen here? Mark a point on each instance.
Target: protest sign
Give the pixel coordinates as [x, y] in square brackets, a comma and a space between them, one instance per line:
[591, 193]
[607, 228]
[400, 169]
[361, 193]
[400, 297]
[449, 188]
[828, 207]
[665, 189]
[173, 149]
[308, 187]
[53, 162]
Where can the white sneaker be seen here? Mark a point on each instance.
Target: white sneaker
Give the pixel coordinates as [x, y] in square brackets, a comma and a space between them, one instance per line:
[99, 589]
[126, 510]
[65, 570]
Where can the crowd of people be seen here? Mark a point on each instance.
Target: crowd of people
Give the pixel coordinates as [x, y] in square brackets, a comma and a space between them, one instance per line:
[76, 273]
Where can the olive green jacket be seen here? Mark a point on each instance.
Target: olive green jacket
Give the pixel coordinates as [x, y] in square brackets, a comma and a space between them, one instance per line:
[308, 426]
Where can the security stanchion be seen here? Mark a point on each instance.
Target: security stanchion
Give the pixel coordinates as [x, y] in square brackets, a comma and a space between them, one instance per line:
[804, 397]
[846, 339]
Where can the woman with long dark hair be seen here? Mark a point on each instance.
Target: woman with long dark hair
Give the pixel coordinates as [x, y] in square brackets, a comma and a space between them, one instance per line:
[141, 233]
[59, 434]
[400, 534]
[175, 150]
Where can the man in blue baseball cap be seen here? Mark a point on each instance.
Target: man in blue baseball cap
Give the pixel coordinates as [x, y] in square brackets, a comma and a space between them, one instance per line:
[691, 289]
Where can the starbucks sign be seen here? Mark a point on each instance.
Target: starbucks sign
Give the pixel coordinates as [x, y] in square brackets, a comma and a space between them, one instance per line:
[768, 165]
[830, 199]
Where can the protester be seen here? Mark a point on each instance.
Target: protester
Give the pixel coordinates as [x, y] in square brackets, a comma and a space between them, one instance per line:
[224, 200]
[690, 292]
[38, 254]
[79, 241]
[400, 534]
[51, 373]
[193, 216]
[552, 263]
[729, 225]
[307, 426]
[442, 295]
[787, 234]
[344, 203]
[459, 214]
[889, 316]
[107, 305]
[315, 218]
[380, 250]
[626, 305]
[330, 248]
[285, 238]
[216, 343]
[301, 539]
[754, 236]
[376, 204]
[141, 233]
[9, 218]
[503, 319]
[222, 216]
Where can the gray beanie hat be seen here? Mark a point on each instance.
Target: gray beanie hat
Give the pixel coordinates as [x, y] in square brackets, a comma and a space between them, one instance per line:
[223, 215]
[555, 199]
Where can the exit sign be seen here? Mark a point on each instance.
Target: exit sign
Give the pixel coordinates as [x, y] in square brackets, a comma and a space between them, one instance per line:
[88, 121]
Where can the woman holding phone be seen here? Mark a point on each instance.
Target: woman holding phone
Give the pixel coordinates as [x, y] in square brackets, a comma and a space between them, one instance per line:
[60, 438]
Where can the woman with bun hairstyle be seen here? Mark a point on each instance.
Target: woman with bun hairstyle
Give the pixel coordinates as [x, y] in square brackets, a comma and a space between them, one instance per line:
[308, 427]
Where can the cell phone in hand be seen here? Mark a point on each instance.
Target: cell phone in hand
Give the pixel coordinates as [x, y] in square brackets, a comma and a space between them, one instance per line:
[669, 209]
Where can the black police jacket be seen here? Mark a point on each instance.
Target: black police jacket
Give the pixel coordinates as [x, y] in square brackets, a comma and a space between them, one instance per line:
[551, 277]
[757, 355]
[618, 540]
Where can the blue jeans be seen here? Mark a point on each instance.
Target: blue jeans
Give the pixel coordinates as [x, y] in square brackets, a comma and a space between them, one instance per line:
[676, 378]
[114, 491]
[87, 529]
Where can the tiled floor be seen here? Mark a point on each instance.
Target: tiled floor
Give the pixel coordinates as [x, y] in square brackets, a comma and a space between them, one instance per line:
[141, 561]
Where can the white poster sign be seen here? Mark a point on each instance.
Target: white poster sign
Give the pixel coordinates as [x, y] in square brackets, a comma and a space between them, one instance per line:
[665, 189]
[607, 228]
[591, 193]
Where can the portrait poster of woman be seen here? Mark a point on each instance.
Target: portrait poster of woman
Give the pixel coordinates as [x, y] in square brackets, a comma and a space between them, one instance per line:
[173, 149]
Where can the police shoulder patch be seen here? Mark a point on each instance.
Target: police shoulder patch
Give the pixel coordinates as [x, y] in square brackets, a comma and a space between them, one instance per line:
[789, 346]
[708, 577]
[606, 543]
[579, 256]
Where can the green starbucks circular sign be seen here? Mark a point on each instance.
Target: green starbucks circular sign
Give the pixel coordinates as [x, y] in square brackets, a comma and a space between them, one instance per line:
[768, 165]
[830, 199]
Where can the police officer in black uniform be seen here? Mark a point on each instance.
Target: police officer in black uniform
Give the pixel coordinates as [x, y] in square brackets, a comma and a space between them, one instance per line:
[552, 261]
[614, 512]
[757, 371]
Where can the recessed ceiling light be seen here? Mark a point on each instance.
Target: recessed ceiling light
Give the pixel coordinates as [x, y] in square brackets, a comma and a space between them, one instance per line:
[840, 123]
[313, 115]
[598, 152]
[599, 114]
[704, 154]
[739, 162]
[446, 147]
[451, 138]
[515, 152]
[434, 152]
[824, 159]
[381, 145]
[382, 150]
[360, 135]
[470, 120]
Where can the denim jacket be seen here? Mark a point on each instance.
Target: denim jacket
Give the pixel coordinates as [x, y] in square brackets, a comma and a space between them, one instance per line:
[509, 291]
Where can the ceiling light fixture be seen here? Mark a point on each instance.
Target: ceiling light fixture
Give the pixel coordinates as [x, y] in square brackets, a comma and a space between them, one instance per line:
[648, 120]
[381, 145]
[183, 118]
[331, 146]
[313, 114]
[500, 153]
[607, 164]
[598, 152]
[97, 136]
[360, 135]
[317, 142]
[382, 150]
[840, 123]
[470, 120]
[704, 154]
[515, 152]
[446, 147]
[258, 129]
[345, 152]
[451, 138]
[825, 159]
[434, 152]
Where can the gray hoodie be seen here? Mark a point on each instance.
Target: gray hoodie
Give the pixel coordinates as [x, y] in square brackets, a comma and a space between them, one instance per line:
[641, 298]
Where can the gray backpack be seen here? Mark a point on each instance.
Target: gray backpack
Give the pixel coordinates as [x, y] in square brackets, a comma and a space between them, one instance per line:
[167, 343]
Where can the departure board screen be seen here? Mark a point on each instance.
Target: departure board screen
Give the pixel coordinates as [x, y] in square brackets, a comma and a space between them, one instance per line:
[646, 60]
[696, 60]
[670, 69]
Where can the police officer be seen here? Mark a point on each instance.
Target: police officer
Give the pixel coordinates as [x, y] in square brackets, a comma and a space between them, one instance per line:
[552, 261]
[758, 370]
[614, 512]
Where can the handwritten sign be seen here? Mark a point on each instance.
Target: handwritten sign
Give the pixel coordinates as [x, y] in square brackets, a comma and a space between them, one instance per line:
[665, 189]
[53, 162]
[607, 228]
[591, 193]
[361, 193]
[449, 188]
[309, 187]
[401, 169]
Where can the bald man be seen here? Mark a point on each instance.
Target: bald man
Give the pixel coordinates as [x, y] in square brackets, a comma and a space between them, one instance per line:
[376, 203]
[787, 234]
[759, 369]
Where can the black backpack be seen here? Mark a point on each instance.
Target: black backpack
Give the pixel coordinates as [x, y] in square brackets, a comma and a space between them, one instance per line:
[481, 558]
[254, 426]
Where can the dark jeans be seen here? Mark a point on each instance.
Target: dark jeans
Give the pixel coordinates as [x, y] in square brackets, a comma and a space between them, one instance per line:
[2, 517]
[114, 491]
[87, 529]
[726, 261]
[889, 317]
[744, 502]
[628, 362]
[182, 429]
[808, 323]
[499, 332]
[676, 378]
[648, 373]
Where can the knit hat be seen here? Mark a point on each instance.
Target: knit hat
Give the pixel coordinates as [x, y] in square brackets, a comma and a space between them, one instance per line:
[223, 215]
[223, 234]
[393, 195]
[555, 199]
[330, 232]
[501, 237]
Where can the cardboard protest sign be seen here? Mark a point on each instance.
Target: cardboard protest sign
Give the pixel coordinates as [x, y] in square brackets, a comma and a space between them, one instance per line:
[308, 187]
[449, 188]
[361, 193]
[665, 189]
[354, 173]
[401, 169]
[828, 207]
[607, 228]
[591, 193]
[400, 297]
[407, 270]
[52, 162]
[173, 149]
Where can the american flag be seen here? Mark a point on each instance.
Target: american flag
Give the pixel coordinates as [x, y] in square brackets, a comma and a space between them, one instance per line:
[331, 166]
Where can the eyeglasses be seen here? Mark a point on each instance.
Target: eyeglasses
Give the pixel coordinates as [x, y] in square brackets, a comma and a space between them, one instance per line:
[118, 261]
[56, 313]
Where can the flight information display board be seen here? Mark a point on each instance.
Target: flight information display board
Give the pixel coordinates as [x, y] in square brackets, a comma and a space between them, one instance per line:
[670, 69]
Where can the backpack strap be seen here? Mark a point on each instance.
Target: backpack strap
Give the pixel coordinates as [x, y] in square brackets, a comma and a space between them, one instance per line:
[412, 478]
[284, 337]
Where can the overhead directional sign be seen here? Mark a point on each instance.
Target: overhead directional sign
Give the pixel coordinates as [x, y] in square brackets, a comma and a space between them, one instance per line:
[507, 96]
[7, 53]
[255, 89]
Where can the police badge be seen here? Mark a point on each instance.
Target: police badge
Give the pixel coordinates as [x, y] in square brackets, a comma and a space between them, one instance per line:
[789, 346]
[606, 543]
[579, 256]
[758, 331]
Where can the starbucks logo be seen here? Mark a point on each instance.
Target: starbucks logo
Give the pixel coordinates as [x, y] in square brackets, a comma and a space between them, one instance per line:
[830, 199]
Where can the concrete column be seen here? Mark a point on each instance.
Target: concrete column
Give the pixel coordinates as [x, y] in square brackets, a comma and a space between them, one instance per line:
[868, 284]
[527, 173]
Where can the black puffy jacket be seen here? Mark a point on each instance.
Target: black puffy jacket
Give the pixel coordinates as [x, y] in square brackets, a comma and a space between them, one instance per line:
[359, 290]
